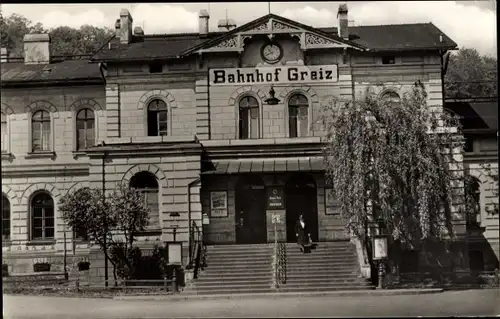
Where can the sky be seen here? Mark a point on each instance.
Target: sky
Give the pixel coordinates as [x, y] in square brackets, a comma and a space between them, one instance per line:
[468, 23]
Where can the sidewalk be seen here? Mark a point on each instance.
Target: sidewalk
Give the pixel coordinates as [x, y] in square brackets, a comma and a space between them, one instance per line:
[277, 295]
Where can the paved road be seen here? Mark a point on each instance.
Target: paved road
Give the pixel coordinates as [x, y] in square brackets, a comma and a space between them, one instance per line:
[452, 303]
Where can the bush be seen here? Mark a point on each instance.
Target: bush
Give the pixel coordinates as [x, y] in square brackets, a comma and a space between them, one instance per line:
[140, 266]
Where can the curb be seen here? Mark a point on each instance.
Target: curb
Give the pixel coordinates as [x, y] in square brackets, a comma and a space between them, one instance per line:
[278, 295]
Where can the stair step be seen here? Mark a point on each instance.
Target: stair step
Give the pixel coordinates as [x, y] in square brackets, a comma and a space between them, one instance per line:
[226, 291]
[235, 278]
[321, 257]
[237, 286]
[241, 263]
[283, 288]
[238, 255]
[323, 269]
[231, 283]
[241, 269]
[322, 281]
[325, 275]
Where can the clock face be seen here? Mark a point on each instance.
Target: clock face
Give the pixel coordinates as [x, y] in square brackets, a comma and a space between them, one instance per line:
[271, 53]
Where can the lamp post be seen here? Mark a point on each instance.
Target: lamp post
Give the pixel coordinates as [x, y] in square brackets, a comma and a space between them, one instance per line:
[380, 251]
[175, 223]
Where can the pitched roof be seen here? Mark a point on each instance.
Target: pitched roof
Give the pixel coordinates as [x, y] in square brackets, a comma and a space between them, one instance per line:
[417, 36]
[64, 71]
[476, 115]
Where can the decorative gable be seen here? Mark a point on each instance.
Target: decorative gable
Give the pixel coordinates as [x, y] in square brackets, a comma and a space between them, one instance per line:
[271, 25]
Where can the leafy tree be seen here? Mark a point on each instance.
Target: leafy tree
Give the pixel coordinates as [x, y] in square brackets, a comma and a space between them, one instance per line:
[110, 222]
[471, 75]
[492, 173]
[64, 40]
[386, 165]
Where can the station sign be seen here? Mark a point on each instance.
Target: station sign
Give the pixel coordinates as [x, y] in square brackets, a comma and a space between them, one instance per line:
[274, 75]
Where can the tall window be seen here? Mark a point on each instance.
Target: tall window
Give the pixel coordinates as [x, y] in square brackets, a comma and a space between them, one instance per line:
[5, 135]
[42, 217]
[157, 118]
[249, 118]
[40, 129]
[146, 183]
[85, 129]
[5, 218]
[298, 109]
[391, 98]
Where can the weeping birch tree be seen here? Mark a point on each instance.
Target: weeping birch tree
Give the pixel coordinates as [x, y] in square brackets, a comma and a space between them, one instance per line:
[390, 161]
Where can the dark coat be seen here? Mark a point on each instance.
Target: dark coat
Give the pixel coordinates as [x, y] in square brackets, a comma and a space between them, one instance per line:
[303, 234]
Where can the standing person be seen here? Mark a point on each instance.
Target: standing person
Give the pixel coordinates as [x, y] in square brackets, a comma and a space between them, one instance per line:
[302, 233]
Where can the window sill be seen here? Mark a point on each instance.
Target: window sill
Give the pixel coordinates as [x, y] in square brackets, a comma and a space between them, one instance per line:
[7, 155]
[41, 243]
[149, 232]
[44, 154]
[79, 153]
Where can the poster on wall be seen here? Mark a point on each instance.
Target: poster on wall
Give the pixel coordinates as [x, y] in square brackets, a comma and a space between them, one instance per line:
[332, 205]
[218, 204]
[275, 198]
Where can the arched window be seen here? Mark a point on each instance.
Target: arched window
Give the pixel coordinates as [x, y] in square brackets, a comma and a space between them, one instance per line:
[298, 109]
[85, 129]
[391, 98]
[5, 135]
[157, 118]
[5, 218]
[40, 130]
[42, 217]
[249, 118]
[146, 183]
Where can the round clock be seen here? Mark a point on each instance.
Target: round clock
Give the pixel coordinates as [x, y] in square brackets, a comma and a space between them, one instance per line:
[271, 52]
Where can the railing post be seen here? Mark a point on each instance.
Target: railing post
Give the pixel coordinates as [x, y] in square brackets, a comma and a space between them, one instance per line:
[497, 278]
[165, 283]
[174, 281]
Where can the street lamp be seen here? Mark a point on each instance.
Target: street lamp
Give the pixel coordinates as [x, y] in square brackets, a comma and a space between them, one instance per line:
[380, 251]
[175, 223]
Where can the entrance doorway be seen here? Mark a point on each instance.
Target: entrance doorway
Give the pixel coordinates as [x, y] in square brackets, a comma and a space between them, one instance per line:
[250, 211]
[301, 198]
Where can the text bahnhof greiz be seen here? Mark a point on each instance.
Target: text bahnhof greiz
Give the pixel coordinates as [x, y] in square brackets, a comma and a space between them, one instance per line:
[284, 74]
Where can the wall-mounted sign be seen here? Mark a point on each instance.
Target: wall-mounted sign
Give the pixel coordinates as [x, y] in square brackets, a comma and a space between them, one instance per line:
[274, 75]
[218, 204]
[174, 253]
[379, 248]
[275, 198]
[205, 219]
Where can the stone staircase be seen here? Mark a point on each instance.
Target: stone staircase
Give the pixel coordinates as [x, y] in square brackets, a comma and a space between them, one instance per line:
[233, 269]
[331, 266]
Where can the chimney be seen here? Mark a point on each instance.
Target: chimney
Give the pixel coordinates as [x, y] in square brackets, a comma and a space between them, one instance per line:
[226, 25]
[343, 22]
[4, 55]
[125, 26]
[37, 48]
[138, 31]
[203, 22]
